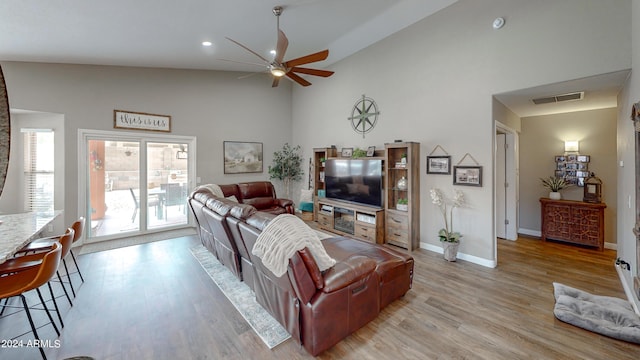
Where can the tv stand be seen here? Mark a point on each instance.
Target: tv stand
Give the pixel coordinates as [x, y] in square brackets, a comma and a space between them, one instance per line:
[361, 222]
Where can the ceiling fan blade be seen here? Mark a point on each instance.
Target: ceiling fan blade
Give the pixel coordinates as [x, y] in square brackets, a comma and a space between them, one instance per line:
[281, 48]
[315, 72]
[249, 50]
[319, 56]
[276, 81]
[298, 79]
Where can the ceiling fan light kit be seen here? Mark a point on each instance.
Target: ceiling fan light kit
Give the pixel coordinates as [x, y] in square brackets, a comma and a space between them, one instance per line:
[279, 68]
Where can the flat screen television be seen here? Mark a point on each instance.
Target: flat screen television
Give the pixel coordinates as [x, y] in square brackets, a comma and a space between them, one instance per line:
[354, 180]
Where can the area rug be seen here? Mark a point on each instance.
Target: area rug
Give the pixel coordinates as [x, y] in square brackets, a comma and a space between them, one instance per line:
[241, 296]
[604, 315]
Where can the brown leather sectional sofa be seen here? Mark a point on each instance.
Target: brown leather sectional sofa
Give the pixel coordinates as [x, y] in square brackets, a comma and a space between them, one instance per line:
[318, 309]
[259, 194]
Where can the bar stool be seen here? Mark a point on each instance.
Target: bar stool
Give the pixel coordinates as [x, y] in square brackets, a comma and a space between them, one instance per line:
[25, 262]
[40, 244]
[66, 240]
[78, 228]
[22, 280]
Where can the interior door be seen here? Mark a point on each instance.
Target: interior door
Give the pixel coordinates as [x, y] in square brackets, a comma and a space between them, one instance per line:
[506, 188]
[501, 196]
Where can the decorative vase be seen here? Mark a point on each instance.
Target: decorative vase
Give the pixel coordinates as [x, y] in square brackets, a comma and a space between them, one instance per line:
[450, 250]
[402, 183]
[554, 195]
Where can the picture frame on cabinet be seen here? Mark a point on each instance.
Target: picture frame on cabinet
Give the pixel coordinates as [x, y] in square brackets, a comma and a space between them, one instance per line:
[440, 165]
[467, 175]
[371, 150]
[346, 152]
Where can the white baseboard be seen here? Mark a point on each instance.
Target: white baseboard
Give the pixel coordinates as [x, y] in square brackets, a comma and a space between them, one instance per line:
[627, 285]
[529, 232]
[461, 256]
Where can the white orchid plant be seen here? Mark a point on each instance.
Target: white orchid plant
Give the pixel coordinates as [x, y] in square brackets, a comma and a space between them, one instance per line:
[446, 208]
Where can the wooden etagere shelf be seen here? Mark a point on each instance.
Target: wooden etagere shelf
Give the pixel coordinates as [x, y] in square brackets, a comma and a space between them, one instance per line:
[319, 157]
[402, 169]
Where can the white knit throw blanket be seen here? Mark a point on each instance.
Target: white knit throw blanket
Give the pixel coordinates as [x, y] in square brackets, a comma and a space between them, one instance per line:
[280, 240]
[215, 189]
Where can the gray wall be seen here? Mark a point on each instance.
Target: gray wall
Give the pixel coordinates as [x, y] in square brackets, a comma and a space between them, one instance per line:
[434, 82]
[543, 137]
[213, 106]
[627, 172]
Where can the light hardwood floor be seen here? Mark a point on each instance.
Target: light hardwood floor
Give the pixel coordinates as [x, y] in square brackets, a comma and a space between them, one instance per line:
[154, 301]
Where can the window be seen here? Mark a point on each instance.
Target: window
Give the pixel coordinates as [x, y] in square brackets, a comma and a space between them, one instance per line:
[38, 169]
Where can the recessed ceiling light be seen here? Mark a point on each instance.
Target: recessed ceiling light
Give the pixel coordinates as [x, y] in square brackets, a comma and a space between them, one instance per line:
[273, 52]
[207, 43]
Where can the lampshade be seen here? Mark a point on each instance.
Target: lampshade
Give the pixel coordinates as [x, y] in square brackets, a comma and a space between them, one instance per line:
[571, 146]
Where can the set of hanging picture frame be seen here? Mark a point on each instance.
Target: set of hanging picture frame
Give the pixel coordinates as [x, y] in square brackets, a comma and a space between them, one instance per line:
[574, 168]
[467, 175]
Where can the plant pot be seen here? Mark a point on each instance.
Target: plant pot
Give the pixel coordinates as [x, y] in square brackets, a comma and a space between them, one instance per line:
[402, 207]
[554, 195]
[450, 250]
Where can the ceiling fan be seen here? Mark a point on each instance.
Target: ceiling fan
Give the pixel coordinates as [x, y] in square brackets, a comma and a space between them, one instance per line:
[279, 68]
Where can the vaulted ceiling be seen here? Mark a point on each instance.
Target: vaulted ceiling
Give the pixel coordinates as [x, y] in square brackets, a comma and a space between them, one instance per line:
[169, 33]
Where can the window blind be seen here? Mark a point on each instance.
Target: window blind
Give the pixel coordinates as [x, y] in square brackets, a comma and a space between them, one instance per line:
[38, 169]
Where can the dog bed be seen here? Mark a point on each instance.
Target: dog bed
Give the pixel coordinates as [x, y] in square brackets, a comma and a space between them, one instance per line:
[604, 315]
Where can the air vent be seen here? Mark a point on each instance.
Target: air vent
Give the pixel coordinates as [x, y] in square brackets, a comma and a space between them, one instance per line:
[559, 98]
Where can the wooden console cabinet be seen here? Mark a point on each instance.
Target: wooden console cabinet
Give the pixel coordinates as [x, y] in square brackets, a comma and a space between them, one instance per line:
[362, 222]
[575, 222]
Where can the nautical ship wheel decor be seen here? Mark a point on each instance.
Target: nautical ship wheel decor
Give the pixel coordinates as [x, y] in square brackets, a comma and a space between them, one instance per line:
[364, 115]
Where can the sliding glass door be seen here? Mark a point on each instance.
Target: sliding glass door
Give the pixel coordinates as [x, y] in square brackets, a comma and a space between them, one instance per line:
[135, 184]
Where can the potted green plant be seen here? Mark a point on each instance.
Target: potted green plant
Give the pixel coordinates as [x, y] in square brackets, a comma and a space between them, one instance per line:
[322, 160]
[555, 184]
[287, 166]
[402, 204]
[358, 153]
[450, 239]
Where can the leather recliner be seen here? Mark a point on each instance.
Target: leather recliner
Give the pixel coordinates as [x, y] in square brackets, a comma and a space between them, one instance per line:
[319, 309]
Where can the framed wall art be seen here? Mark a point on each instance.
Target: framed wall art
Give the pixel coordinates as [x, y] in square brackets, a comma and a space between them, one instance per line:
[467, 175]
[141, 121]
[439, 165]
[242, 157]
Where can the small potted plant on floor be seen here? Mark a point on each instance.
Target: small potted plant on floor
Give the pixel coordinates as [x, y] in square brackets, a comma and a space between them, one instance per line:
[450, 239]
[555, 184]
[287, 166]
